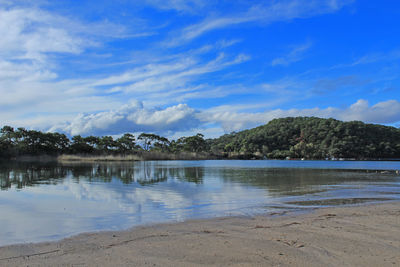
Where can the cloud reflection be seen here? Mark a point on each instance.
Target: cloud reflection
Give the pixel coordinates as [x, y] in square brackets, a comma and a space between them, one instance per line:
[88, 200]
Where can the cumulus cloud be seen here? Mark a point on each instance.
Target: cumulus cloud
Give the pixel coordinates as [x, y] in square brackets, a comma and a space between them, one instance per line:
[382, 112]
[182, 119]
[133, 117]
[386, 112]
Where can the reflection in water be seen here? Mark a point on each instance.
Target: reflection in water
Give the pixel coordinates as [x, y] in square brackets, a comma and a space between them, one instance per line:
[299, 181]
[144, 173]
[24, 174]
[50, 201]
[276, 180]
[189, 174]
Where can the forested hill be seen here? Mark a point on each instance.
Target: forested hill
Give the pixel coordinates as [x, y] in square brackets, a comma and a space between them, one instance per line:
[301, 137]
[313, 138]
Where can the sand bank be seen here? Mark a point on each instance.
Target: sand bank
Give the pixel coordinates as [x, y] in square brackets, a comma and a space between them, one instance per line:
[346, 236]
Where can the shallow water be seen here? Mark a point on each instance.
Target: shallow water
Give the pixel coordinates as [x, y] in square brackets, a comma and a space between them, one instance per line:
[40, 202]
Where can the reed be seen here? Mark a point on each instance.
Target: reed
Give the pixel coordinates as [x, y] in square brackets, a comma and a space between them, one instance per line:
[140, 156]
[93, 158]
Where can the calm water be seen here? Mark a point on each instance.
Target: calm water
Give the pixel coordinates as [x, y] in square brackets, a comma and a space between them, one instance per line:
[50, 201]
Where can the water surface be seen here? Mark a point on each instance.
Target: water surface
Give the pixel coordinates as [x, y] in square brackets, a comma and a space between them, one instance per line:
[40, 202]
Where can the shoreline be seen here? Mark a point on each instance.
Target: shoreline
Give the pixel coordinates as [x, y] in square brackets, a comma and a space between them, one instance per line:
[364, 235]
[157, 156]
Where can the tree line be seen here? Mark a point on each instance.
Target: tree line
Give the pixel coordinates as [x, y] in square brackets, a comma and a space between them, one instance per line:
[300, 137]
[17, 142]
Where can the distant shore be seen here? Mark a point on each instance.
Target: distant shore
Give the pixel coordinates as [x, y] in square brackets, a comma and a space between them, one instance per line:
[149, 155]
[367, 235]
[142, 156]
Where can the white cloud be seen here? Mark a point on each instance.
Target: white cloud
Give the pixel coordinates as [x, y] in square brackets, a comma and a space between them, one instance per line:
[28, 37]
[30, 93]
[371, 58]
[382, 112]
[265, 14]
[296, 54]
[196, 30]
[32, 90]
[133, 117]
[178, 5]
[187, 121]
[31, 33]
[172, 80]
[31, 44]
[36, 94]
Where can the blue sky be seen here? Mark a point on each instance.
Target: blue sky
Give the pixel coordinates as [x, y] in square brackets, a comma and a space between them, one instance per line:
[176, 67]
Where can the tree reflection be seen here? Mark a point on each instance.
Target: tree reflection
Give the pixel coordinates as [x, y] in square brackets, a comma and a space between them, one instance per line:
[190, 174]
[296, 181]
[277, 181]
[21, 175]
[144, 173]
[148, 173]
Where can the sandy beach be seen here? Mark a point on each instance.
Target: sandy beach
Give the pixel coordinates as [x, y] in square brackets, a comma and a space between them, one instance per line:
[347, 236]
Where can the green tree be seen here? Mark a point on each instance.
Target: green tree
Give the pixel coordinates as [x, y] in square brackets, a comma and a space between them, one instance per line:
[80, 146]
[126, 143]
[148, 140]
[195, 143]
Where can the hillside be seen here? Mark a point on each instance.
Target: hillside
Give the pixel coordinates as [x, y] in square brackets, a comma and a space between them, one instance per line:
[312, 138]
[301, 137]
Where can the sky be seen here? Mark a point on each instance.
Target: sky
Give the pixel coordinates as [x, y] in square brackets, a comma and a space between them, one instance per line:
[177, 68]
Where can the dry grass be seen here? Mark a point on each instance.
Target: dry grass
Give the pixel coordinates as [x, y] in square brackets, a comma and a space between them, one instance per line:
[143, 155]
[151, 155]
[85, 158]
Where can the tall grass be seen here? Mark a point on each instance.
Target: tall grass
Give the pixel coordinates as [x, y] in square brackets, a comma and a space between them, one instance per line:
[92, 158]
[140, 156]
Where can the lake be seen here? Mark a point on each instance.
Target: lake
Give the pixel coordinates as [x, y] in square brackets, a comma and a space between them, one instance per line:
[41, 202]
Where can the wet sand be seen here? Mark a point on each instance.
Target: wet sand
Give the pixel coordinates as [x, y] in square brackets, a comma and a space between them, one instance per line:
[347, 236]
